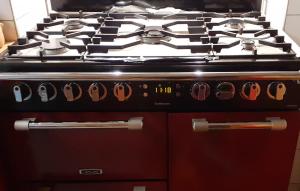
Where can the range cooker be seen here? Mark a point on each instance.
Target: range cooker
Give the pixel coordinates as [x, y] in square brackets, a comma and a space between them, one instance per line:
[140, 98]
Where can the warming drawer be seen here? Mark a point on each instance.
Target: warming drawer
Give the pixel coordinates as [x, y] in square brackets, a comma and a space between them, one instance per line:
[86, 146]
[232, 151]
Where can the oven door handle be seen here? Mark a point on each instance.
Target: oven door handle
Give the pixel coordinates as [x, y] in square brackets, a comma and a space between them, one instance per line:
[275, 124]
[135, 123]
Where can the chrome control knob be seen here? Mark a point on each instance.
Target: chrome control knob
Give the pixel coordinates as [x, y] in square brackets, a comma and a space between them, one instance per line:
[97, 92]
[200, 91]
[22, 92]
[72, 91]
[250, 91]
[225, 91]
[276, 91]
[47, 92]
[122, 91]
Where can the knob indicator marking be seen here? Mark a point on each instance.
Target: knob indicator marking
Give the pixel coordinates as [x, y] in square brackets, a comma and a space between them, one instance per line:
[200, 91]
[44, 92]
[22, 92]
[122, 91]
[250, 91]
[97, 92]
[277, 91]
[69, 92]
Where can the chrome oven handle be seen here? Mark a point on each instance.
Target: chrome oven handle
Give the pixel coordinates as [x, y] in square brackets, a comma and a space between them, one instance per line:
[30, 124]
[275, 124]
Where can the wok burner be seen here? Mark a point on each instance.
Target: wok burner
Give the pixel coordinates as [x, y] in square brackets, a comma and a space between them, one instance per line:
[154, 35]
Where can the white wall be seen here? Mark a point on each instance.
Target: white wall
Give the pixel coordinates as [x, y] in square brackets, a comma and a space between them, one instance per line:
[275, 11]
[292, 25]
[27, 14]
[20, 16]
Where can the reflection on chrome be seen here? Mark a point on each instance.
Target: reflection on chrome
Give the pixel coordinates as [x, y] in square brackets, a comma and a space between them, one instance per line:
[198, 73]
[117, 73]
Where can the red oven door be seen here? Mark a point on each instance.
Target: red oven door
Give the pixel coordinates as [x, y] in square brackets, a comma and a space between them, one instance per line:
[232, 151]
[80, 153]
[2, 177]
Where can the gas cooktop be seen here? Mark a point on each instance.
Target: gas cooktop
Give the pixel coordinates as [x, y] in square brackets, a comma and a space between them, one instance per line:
[139, 37]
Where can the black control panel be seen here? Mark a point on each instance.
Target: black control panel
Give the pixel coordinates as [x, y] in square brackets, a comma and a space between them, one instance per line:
[149, 95]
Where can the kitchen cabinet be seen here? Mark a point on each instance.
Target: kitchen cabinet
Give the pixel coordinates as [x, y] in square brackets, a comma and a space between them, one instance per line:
[231, 160]
[87, 154]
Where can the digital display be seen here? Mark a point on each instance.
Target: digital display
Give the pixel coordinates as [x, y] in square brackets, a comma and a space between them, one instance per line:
[163, 90]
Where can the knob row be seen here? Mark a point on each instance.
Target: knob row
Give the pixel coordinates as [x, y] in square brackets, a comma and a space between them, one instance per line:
[72, 92]
[123, 91]
[250, 91]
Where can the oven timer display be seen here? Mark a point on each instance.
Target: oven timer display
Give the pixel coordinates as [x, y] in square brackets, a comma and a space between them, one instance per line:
[162, 90]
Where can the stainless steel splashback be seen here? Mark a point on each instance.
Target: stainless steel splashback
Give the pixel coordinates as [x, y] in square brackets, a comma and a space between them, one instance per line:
[201, 5]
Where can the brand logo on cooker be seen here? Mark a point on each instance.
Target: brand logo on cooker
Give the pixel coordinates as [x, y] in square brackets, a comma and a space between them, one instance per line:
[90, 172]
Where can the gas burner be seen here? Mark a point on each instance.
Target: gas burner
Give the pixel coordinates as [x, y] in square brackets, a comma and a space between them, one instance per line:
[154, 35]
[239, 23]
[42, 46]
[235, 24]
[73, 24]
[248, 45]
[53, 45]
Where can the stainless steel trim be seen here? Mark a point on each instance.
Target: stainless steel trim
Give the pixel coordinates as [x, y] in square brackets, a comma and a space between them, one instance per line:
[151, 76]
[275, 124]
[30, 124]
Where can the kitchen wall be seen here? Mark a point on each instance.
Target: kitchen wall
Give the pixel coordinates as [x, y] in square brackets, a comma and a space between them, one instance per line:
[292, 22]
[20, 16]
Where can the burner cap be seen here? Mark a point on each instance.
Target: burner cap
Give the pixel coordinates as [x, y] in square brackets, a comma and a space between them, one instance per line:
[235, 24]
[153, 35]
[52, 45]
[248, 44]
[73, 24]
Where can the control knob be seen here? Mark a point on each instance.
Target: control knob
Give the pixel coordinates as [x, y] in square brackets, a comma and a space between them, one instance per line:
[276, 91]
[47, 92]
[225, 91]
[22, 92]
[200, 91]
[72, 91]
[97, 92]
[122, 91]
[250, 91]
